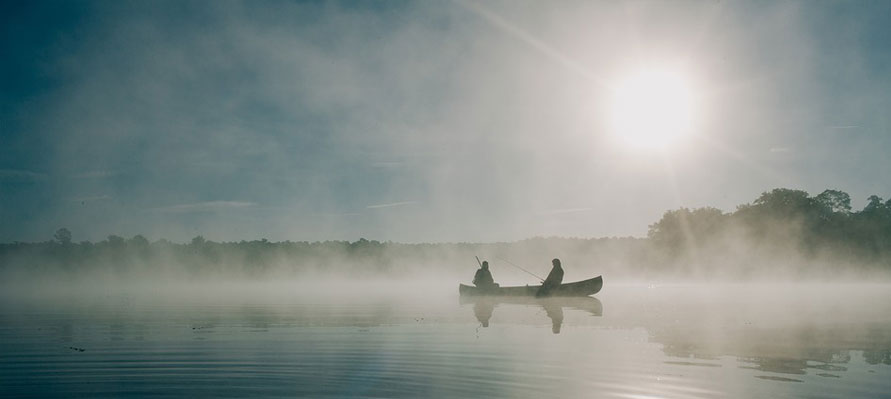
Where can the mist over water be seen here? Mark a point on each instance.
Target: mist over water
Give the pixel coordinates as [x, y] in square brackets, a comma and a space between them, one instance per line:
[380, 339]
[782, 298]
[278, 199]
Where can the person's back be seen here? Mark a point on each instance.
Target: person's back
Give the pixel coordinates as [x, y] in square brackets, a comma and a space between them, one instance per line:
[483, 277]
[554, 279]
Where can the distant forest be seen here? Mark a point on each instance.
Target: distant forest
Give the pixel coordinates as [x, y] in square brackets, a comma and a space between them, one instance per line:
[782, 233]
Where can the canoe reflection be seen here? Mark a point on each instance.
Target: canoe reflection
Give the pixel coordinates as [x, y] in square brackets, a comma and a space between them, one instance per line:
[483, 307]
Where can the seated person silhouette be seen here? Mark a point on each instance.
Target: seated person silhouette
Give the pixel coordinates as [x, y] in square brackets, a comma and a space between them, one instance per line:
[552, 282]
[483, 277]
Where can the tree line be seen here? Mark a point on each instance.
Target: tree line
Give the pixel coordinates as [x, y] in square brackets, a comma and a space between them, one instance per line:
[783, 230]
[781, 225]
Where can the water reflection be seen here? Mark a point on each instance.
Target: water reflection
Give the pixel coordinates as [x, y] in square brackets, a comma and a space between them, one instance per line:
[781, 334]
[878, 357]
[663, 342]
[483, 307]
[483, 311]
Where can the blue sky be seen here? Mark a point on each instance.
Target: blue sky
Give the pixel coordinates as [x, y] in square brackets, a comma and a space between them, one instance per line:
[421, 121]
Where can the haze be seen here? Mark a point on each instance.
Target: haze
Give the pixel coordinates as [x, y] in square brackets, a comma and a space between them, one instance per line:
[276, 198]
[423, 121]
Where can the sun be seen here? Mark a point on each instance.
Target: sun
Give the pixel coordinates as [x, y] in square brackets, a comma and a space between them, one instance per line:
[652, 109]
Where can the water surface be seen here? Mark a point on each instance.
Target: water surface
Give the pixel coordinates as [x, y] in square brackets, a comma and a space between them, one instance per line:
[630, 341]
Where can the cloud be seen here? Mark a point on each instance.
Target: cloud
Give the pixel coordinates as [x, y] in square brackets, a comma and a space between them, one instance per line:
[207, 206]
[344, 214]
[390, 205]
[485, 114]
[17, 174]
[566, 210]
[387, 164]
[96, 174]
[91, 198]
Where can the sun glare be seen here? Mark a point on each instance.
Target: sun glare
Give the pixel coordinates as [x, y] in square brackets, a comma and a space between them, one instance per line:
[652, 109]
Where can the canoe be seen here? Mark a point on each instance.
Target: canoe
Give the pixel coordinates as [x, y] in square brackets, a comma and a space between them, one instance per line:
[578, 288]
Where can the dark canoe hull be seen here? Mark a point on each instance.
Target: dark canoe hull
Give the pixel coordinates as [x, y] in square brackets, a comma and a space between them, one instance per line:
[578, 288]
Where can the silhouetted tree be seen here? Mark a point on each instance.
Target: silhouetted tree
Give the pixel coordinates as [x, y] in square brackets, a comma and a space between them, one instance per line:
[140, 246]
[875, 206]
[784, 201]
[115, 241]
[835, 201]
[138, 241]
[779, 225]
[63, 236]
[681, 228]
[198, 241]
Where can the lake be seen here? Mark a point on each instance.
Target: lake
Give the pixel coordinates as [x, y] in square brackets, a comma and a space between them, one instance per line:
[396, 340]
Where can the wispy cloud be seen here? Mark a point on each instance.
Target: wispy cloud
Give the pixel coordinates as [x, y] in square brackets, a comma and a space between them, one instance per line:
[345, 214]
[566, 210]
[398, 108]
[390, 205]
[207, 206]
[537, 43]
[90, 198]
[17, 174]
[96, 174]
[386, 164]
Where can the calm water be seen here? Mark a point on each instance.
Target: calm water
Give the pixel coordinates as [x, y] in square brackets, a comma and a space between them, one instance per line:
[632, 341]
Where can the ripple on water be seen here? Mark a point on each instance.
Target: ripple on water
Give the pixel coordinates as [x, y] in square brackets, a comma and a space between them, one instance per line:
[394, 349]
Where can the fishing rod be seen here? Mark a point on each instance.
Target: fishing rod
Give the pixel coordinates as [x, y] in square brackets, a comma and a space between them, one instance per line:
[518, 267]
[478, 261]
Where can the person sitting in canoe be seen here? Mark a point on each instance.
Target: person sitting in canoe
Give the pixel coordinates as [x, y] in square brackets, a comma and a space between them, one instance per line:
[483, 277]
[555, 277]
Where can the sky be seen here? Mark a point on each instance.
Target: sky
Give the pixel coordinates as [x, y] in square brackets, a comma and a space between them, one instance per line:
[423, 121]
